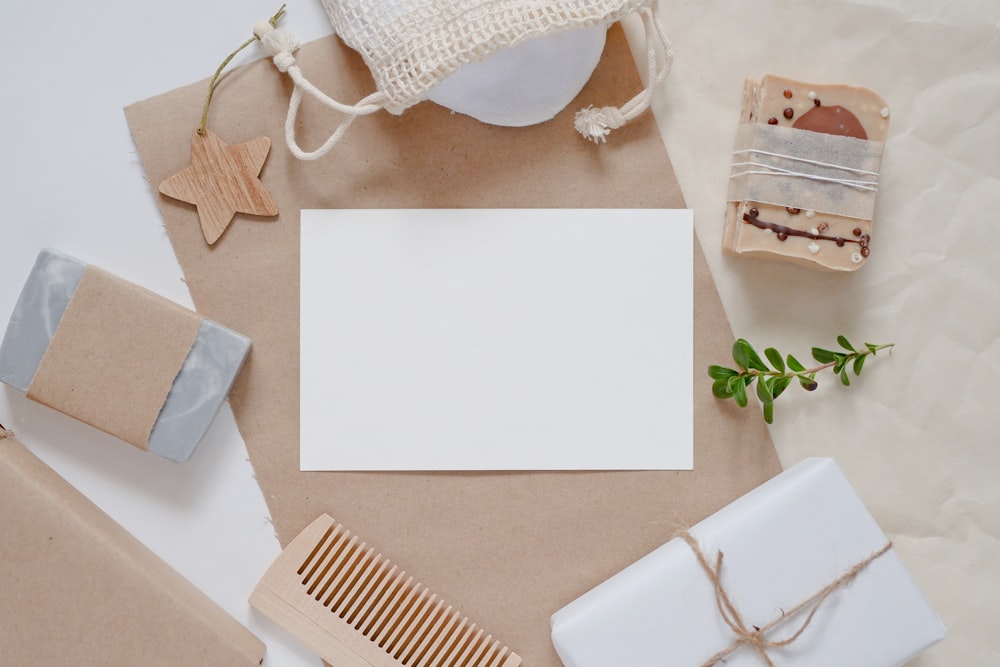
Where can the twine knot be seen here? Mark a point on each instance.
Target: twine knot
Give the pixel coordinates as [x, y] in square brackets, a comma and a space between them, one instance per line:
[279, 43]
[283, 61]
[755, 637]
[755, 640]
[596, 124]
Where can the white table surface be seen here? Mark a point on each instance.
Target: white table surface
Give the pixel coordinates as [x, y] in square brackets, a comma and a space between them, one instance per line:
[72, 180]
[916, 434]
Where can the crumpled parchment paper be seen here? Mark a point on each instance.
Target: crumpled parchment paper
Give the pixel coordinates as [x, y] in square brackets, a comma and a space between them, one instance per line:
[917, 432]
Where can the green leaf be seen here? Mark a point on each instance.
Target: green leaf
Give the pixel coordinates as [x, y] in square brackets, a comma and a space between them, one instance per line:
[721, 372]
[740, 394]
[764, 391]
[775, 358]
[841, 361]
[795, 364]
[721, 389]
[823, 356]
[756, 362]
[780, 384]
[774, 373]
[746, 357]
[740, 353]
[858, 363]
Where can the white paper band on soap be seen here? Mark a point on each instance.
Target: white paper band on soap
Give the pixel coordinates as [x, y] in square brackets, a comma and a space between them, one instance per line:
[812, 171]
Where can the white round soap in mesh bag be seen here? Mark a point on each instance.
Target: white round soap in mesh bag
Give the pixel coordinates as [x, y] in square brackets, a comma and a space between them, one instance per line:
[524, 84]
[440, 49]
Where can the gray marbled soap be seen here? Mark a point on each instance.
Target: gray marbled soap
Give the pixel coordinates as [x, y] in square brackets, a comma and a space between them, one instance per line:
[203, 383]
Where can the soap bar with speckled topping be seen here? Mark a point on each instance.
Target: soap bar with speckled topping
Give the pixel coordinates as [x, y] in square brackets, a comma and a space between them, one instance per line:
[805, 173]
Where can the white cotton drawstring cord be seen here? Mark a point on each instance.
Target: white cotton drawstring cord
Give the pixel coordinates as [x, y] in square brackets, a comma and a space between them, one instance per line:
[281, 45]
[594, 124]
[597, 124]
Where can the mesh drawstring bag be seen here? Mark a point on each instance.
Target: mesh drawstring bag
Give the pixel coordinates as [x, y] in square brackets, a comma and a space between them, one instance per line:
[411, 46]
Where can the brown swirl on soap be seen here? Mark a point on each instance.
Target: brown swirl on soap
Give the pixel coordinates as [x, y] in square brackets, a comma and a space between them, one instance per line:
[783, 232]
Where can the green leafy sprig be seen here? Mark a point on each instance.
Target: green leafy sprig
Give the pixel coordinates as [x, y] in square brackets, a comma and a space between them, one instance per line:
[771, 382]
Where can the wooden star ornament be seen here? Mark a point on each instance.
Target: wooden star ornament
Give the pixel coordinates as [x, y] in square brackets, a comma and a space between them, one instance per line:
[221, 181]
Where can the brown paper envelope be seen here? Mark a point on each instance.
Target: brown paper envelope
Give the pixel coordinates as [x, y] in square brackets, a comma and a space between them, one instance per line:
[79, 589]
[508, 548]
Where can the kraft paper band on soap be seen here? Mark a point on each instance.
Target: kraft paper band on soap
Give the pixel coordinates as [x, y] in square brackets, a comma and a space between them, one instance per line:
[812, 171]
[114, 356]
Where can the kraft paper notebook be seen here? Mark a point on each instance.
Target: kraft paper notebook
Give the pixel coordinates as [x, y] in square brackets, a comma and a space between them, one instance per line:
[507, 548]
[79, 589]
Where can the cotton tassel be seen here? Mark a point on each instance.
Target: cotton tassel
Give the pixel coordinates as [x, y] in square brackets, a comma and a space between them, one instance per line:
[281, 46]
[596, 124]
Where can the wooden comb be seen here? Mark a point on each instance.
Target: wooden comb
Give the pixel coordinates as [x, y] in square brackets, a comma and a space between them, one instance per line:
[356, 609]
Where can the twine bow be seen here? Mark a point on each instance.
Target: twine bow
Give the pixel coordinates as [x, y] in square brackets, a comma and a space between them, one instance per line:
[755, 637]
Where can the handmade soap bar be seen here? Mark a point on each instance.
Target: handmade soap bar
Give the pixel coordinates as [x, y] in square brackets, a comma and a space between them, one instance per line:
[78, 589]
[774, 552]
[805, 173]
[118, 357]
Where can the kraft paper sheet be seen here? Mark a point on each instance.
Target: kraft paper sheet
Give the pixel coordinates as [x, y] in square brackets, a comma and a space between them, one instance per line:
[508, 548]
[79, 589]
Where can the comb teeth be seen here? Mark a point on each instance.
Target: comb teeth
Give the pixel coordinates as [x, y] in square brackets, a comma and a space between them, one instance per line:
[356, 609]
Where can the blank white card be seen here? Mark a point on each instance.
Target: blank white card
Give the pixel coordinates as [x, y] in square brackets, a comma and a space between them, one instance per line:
[467, 339]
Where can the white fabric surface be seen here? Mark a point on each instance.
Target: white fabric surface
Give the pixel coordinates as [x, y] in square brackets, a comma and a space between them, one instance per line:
[916, 433]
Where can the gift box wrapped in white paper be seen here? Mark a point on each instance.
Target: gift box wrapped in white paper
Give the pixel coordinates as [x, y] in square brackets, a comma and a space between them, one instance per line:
[794, 573]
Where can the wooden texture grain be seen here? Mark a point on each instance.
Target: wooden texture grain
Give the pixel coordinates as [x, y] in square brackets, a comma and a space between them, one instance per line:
[221, 181]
